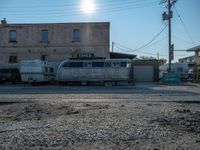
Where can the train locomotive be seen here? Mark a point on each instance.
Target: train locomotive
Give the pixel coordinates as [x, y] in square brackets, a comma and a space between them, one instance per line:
[86, 71]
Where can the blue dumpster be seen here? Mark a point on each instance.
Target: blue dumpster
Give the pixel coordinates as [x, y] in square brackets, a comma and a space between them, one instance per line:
[171, 77]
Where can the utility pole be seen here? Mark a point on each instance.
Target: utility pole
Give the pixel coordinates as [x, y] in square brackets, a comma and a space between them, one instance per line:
[168, 16]
[158, 56]
[169, 28]
[113, 46]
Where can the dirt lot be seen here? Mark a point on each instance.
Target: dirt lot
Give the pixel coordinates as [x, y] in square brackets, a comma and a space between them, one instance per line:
[142, 116]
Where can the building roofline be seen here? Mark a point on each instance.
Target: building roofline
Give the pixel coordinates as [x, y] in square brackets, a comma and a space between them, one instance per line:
[196, 48]
[63, 23]
[121, 55]
[187, 57]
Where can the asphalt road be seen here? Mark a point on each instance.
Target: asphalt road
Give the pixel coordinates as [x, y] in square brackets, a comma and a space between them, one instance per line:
[138, 92]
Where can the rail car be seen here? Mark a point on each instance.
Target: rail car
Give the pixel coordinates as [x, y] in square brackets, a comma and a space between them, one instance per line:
[95, 70]
[37, 71]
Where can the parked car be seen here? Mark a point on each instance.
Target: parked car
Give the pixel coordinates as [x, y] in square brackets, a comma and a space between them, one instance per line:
[9, 75]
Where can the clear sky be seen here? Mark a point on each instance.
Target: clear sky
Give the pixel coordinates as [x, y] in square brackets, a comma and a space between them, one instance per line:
[134, 23]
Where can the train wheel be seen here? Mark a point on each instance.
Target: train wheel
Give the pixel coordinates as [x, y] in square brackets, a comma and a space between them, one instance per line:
[14, 81]
[2, 82]
[84, 83]
[52, 82]
[106, 83]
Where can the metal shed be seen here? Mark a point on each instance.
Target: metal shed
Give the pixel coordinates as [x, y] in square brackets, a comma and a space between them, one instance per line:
[145, 70]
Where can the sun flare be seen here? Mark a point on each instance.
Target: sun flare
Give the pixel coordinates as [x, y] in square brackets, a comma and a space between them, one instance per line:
[88, 6]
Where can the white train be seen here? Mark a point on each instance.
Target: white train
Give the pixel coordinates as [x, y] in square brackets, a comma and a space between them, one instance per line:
[95, 70]
[34, 71]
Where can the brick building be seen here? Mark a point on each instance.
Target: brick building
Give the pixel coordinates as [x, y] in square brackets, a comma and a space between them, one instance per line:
[53, 42]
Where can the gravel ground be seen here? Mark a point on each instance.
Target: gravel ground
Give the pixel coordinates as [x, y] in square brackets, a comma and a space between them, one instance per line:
[142, 116]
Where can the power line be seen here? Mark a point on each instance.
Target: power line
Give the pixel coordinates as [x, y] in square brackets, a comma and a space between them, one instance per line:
[184, 26]
[156, 42]
[108, 2]
[145, 45]
[121, 7]
[65, 14]
[180, 39]
[131, 50]
[153, 54]
[125, 50]
[73, 12]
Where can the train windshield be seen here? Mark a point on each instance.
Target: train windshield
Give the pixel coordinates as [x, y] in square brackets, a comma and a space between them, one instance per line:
[124, 64]
[73, 64]
[97, 64]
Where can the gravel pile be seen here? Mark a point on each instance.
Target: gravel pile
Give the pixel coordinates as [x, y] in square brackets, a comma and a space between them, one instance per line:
[34, 111]
[93, 126]
[101, 121]
[182, 119]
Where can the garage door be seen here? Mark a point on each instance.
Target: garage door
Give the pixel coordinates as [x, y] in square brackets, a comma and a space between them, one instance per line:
[143, 73]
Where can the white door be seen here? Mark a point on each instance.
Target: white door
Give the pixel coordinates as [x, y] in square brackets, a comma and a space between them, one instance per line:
[143, 73]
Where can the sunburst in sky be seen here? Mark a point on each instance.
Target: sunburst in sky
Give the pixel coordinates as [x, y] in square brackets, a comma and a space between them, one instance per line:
[88, 6]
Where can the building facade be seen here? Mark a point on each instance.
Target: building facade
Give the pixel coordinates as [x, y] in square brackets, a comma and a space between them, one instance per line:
[190, 60]
[196, 50]
[53, 42]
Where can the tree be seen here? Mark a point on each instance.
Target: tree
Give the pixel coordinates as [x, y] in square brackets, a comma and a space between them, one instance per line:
[162, 61]
[147, 58]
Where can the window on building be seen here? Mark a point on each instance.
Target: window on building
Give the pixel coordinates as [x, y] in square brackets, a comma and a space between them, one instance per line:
[12, 59]
[45, 35]
[12, 36]
[76, 35]
[44, 57]
[51, 70]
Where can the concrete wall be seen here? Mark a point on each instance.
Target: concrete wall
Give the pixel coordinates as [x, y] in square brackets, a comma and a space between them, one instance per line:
[94, 38]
